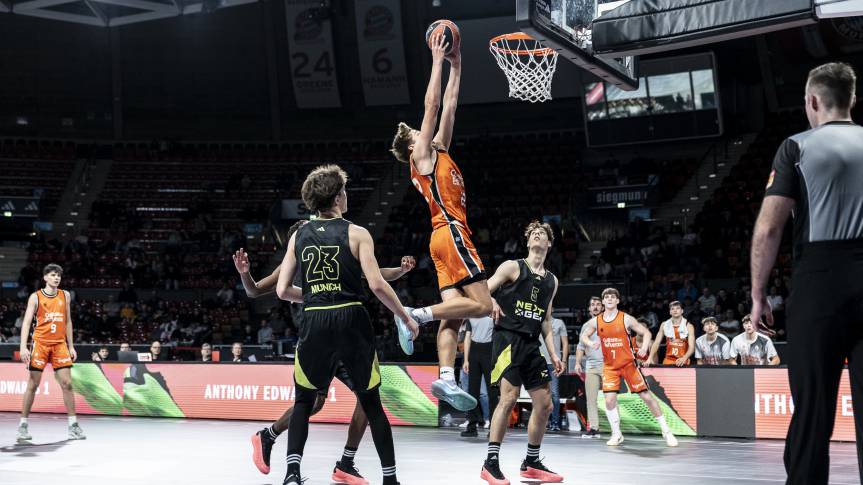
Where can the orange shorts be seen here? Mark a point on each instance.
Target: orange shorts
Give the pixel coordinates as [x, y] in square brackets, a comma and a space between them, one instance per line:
[455, 257]
[630, 373]
[56, 354]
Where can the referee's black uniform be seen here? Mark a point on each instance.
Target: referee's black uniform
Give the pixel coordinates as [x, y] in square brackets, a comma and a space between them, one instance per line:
[822, 170]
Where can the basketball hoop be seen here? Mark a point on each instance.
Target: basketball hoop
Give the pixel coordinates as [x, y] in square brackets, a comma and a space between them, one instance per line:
[528, 65]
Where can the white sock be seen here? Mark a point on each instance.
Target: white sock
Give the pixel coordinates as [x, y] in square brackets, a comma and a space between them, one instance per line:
[422, 315]
[447, 374]
[613, 420]
[662, 424]
[73, 420]
[24, 420]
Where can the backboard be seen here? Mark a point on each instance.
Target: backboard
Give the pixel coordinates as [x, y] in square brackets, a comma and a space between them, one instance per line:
[565, 26]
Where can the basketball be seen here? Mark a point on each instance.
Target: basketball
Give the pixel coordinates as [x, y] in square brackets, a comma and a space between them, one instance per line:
[450, 31]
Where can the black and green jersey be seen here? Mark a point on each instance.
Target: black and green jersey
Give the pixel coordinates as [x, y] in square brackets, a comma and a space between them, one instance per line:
[525, 301]
[330, 275]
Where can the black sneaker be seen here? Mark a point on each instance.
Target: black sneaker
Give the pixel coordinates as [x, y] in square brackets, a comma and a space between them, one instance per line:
[591, 434]
[293, 479]
[491, 473]
[470, 432]
[347, 474]
[262, 445]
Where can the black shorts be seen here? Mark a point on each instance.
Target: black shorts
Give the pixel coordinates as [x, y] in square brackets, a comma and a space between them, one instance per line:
[342, 375]
[337, 342]
[517, 358]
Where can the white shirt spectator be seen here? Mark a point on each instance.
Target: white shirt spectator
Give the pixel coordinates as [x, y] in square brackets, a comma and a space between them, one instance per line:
[707, 304]
[756, 352]
[713, 353]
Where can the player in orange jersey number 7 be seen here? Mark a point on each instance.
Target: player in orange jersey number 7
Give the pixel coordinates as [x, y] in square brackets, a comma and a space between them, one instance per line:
[461, 275]
[614, 326]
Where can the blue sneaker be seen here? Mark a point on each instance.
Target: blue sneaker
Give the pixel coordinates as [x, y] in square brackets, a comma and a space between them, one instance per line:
[405, 341]
[452, 394]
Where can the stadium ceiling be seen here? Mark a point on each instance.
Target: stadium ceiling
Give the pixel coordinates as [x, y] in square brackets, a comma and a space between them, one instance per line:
[112, 13]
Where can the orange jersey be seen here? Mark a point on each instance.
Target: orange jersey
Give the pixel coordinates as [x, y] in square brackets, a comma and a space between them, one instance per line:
[51, 317]
[614, 337]
[444, 192]
[676, 347]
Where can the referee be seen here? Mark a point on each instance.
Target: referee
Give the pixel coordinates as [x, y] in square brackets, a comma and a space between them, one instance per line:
[818, 175]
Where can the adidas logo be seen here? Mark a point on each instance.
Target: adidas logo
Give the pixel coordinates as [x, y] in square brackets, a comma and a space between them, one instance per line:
[32, 206]
[321, 229]
[8, 206]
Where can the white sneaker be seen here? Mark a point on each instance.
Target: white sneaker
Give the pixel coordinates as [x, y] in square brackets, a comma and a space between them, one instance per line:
[487, 424]
[616, 440]
[463, 425]
[76, 433]
[23, 434]
[670, 440]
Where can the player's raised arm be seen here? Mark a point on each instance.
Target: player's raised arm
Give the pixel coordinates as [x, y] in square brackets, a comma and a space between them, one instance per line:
[407, 264]
[423, 154]
[284, 287]
[254, 289]
[32, 306]
[450, 102]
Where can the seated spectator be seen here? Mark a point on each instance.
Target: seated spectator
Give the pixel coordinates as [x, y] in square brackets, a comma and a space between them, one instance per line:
[237, 352]
[249, 335]
[101, 355]
[125, 347]
[112, 308]
[687, 292]
[707, 302]
[729, 326]
[712, 348]
[156, 350]
[206, 352]
[291, 337]
[265, 334]
[753, 347]
[225, 295]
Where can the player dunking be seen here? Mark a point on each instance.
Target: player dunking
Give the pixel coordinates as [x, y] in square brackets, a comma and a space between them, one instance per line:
[263, 440]
[52, 344]
[461, 275]
[331, 255]
[619, 363]
[524, 290]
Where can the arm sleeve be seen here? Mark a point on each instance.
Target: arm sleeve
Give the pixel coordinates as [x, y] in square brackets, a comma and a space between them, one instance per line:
[784, 179]
[698, 351]
[467, 326]
[562, 326]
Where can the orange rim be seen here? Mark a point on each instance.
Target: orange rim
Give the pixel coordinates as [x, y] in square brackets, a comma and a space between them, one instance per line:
[543, 51]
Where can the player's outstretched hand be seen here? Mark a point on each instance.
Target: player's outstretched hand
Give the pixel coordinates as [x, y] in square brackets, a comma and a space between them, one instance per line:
[438, 47]
[413, 327]
[408, 263]
[241, 261]
[496, 312]
[25, 355]
[454, 58]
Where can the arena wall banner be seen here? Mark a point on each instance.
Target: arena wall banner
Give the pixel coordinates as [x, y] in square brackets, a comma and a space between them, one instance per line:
[310, 44]
[226, 391]
[774, 406]
[381, 50]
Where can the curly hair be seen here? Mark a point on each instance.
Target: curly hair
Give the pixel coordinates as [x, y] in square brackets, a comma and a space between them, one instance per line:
[534, 225]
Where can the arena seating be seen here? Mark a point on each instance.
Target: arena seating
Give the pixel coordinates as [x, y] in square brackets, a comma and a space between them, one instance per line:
[36, 167]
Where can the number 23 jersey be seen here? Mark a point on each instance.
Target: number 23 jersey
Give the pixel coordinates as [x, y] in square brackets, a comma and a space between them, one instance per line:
[329, 272]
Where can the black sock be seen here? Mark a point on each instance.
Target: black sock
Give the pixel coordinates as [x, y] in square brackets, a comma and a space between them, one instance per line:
[493, 451]
[532, 453]
[271, 433]
[348, 456]
[390, 475]
[294, 463]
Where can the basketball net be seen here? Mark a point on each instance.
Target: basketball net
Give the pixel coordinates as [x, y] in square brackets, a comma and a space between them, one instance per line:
[528, 66]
